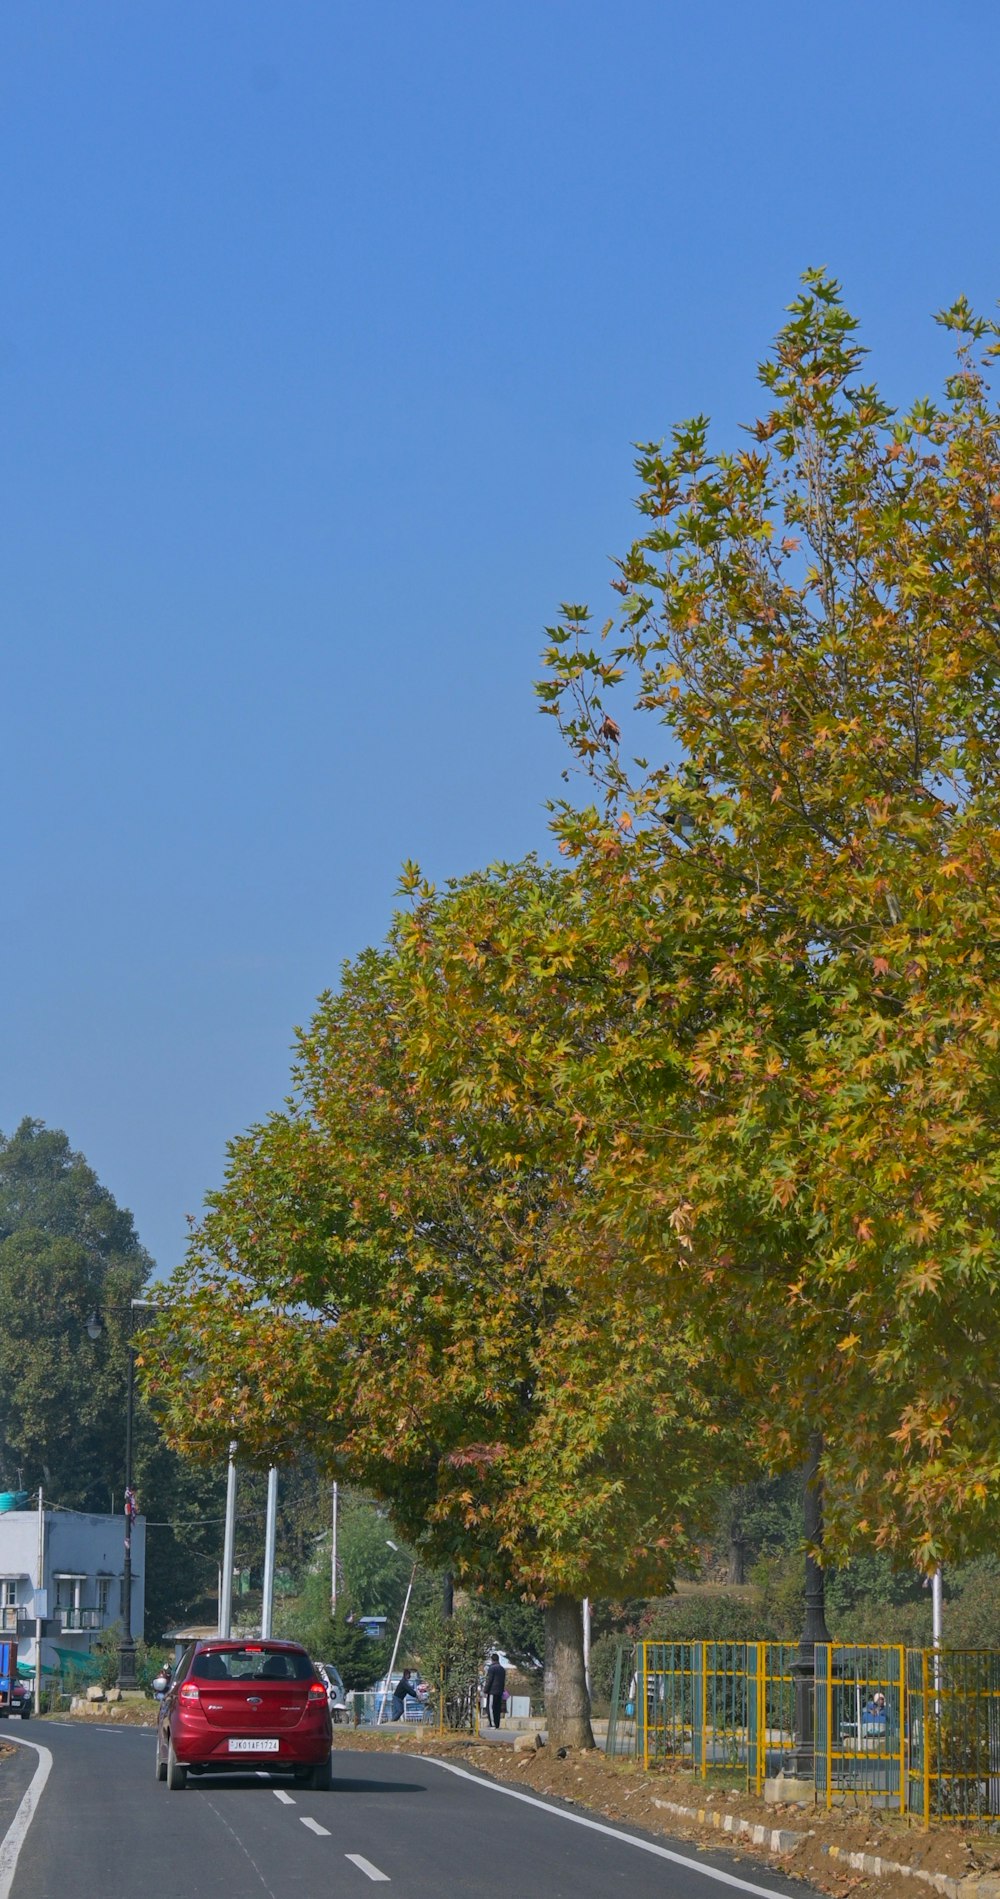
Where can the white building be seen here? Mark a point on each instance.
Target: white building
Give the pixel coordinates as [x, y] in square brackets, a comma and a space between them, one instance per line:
[82, 1576]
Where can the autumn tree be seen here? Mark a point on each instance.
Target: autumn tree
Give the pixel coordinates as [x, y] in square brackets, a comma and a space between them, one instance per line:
[792, 729]
[406, 1270]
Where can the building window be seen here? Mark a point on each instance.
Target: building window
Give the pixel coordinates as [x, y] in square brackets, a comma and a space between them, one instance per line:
[8, 1592]
[69, 1591]
[103, 1595]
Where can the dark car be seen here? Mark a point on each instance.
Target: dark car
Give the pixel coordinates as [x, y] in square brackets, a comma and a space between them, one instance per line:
[230, 1706]
[21, 1698]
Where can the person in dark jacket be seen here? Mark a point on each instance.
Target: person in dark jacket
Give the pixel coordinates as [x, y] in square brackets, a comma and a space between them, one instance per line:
[493, 1687]
[405, 1686]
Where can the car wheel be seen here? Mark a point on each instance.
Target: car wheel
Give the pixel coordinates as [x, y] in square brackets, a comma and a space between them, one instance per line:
[26, 1713]
[161, 1766]
[322, 1775]
[176, 1774]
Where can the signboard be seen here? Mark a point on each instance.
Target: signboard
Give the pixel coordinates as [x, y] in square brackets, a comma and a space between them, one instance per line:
[51, 1627]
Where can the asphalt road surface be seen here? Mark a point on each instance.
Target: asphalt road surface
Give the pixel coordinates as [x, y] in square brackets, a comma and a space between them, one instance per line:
[103, 1828]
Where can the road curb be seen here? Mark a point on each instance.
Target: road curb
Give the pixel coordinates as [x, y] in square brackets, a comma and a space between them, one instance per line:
[777, 1839]
[973, 1886]
[785, 1840]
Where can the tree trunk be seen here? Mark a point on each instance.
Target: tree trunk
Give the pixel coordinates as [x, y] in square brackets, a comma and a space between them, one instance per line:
[567, 1703]
[448, 1595]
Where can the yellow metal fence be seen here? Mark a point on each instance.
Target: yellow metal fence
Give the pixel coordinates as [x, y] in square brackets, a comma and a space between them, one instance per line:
[914, 1730]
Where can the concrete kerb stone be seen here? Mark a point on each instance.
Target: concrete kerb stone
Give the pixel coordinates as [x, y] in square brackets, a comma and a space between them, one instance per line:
[777, 1839]
[973, 1886]
[783, 1840]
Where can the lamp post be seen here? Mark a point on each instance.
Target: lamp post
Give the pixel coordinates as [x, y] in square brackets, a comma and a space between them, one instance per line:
[803, 1669]
[126, 1647]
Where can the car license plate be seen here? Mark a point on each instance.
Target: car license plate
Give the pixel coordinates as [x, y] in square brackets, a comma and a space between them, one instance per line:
[254, 1747]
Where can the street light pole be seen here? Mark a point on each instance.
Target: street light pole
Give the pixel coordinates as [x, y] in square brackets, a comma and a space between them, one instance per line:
[270, 1539]
[126, 1650]
[803, 1669]
[228, 1549]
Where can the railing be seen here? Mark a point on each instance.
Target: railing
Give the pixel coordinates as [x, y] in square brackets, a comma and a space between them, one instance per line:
[77, 1620]
[622, 1723]
[860, 1719]
[771, 1693]
[953, 1767]
[917, 1730]
[369, 1707]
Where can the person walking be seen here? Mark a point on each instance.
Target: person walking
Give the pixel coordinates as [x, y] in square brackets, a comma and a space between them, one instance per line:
[404, 1686]
[493, 1687]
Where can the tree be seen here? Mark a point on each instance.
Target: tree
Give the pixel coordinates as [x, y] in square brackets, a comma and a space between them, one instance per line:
[66, 1250]
[337, 1638]
[407, 1269]
[374, 1560]
[808, 650]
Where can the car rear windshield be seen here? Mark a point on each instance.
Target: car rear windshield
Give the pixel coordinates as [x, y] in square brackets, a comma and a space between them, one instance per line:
[253, 1663]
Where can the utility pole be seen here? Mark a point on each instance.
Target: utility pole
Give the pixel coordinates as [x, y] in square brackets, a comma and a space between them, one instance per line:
[126, 1648]
[228, 1549]
[39, 1602]
[586, 1641]
[333, 1557]
[270, 1539]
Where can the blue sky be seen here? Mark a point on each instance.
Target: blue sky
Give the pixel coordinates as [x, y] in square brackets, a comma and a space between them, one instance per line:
[326, 332]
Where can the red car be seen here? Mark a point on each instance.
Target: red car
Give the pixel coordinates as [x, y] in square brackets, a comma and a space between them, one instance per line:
[239, 1705]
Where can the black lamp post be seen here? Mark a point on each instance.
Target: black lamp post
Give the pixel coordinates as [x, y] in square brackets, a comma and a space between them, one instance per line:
[126, 1647]
[814, 1628]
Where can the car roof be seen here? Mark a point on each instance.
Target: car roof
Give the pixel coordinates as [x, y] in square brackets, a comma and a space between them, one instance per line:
[225, 1642]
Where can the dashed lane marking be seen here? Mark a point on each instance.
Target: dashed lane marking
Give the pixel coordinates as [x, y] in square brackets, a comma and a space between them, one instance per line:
[314, 1826]
[365, 1866]
[280, 1794]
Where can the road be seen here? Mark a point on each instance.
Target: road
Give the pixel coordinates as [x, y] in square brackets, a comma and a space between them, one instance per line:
[104, 1829]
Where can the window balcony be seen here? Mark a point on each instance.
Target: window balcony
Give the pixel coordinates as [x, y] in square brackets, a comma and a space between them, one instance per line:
[8, 1618]
[76, 1621]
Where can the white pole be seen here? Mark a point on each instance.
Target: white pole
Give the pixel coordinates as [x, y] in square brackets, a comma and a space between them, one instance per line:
[333, 1557]
[228, 1550]
[270, 1539]
[40, 1585]
[936, 1606]
[586, 1641]
[395, 1646]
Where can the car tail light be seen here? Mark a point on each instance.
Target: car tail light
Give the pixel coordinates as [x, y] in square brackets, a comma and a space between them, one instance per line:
[190, 1693]
[317, 1692]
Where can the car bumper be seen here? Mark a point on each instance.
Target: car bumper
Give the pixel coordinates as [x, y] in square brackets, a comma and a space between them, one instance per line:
[209, 1748]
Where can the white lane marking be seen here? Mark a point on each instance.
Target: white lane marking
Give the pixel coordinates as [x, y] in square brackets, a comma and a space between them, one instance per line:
[314, 1826]
[613, 1832]
[16, 1833]
[239, 1842]
[280, 1794]
[365, 1866]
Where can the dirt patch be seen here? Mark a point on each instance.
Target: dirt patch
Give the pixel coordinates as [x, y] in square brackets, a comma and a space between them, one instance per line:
[621, 1791]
